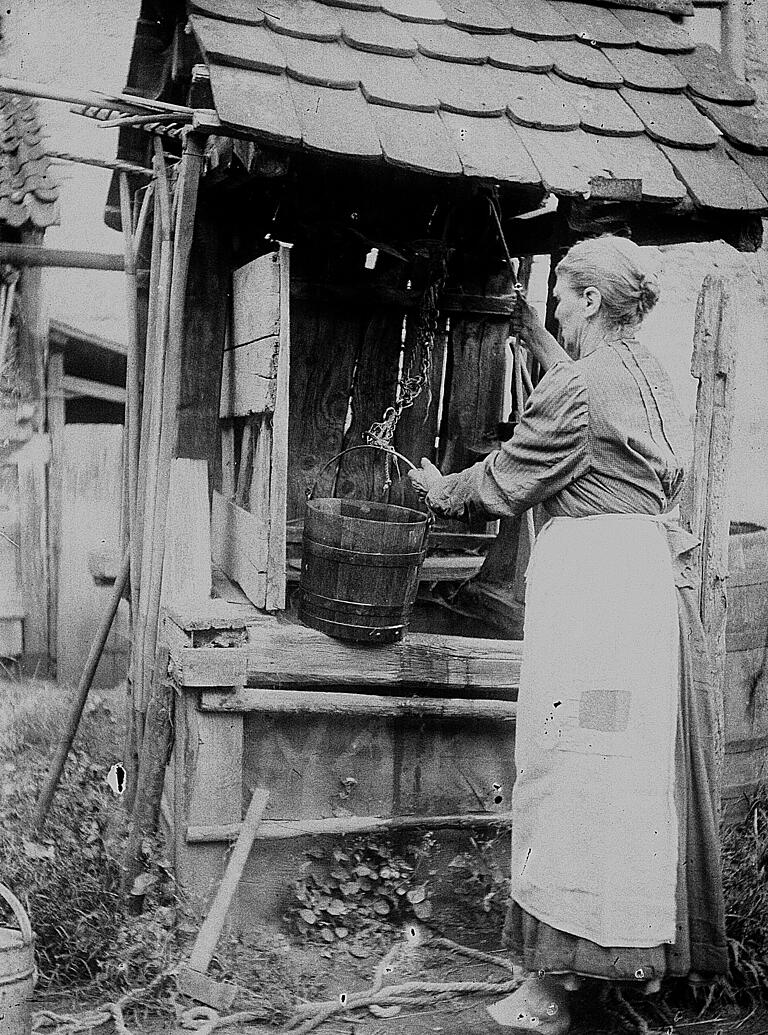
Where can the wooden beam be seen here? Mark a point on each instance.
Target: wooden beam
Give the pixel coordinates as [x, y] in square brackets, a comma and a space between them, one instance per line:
[68, 258]
[321, 702]
[100, 163]
[281, 655]
[81, 386]
[278, 830]
[501, 306]
[705, 507]
[56, 408]
[89, 98]
[278, 485]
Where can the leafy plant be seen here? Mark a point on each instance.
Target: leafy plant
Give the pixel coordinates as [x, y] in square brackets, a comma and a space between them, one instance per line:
[478, 873]
[357, 887]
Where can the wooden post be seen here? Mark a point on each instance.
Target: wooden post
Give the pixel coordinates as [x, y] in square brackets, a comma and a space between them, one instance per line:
[186, 582]
[705, 509]
[56, 419]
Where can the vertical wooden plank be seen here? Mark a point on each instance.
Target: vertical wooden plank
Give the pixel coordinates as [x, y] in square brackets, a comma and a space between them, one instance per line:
[56, 417]
[33, 547]
[90, 507]
[478, 346]
[33, 329]
[705, 509]
[261, 468]
[325, 343]
[278, 492]
[187, 559]
[208, 790]
[361, 475]
[205, 324]
[228, 459]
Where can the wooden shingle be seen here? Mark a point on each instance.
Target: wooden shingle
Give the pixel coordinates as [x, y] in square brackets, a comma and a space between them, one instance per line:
[537, 18]
[322, 64]
[671, 118]
[566, 161]
[415, 140]
[601, 111]
[305, 19]
[335, 121]
[714, 180]
[377, 32]
[583, 64]
[596, 24]
[738, 125]
[242, 12]
[655, 31]
[754, 167]
[630, 157]
[415, 10]
[355, 5]
[465, 89]
[534, 100]
[490, 149]
[520, 53]
[255, 100]
[449, 44]
[395, 82]
[476, 15]
[243, 46]
[646, 70]
[710, 77]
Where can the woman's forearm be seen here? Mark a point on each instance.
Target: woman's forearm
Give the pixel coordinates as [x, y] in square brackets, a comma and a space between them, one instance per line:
[546, 349]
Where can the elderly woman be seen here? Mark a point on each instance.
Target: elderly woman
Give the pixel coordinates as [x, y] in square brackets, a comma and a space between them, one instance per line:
[615, 858]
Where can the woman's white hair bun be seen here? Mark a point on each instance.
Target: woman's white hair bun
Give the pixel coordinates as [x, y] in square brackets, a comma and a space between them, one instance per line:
[649, 290]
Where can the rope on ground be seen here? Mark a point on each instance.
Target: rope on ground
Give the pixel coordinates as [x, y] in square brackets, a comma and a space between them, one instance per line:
[68, 1024]
[411, 993]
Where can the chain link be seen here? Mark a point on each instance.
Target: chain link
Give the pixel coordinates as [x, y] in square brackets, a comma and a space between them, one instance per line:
[417, 375]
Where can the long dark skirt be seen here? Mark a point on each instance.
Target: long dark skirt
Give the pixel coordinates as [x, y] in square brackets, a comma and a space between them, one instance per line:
[700, 945]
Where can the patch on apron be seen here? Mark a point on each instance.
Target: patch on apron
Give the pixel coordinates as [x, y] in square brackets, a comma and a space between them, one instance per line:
[604, 710]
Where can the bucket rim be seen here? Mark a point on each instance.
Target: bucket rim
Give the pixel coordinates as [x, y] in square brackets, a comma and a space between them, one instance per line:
[423, 518]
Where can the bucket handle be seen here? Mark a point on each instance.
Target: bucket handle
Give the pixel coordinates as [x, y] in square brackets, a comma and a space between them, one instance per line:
[382, 449]
[20, 913]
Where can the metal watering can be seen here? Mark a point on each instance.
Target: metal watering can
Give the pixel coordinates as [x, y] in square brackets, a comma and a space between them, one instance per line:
[17, 971]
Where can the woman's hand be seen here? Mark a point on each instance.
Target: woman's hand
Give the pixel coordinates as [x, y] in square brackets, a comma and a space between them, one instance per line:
[525, 325]
[425, 478]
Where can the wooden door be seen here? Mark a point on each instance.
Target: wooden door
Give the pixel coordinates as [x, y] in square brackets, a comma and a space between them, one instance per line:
[249, 515]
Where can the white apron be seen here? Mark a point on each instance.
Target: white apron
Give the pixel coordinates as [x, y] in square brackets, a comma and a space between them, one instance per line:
[594, 840]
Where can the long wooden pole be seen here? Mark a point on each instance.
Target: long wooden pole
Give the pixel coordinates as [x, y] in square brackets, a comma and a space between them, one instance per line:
[81, 695]
[133, 403]
[705, 509]
[65, 258]
[186, 206]
[88, 98]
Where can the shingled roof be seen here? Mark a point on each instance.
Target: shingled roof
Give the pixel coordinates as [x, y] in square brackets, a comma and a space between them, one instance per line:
[529, 92]
[28, 195]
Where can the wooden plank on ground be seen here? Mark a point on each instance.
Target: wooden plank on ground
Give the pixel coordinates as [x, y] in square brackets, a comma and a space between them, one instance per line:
[240, 546]
[279, 654]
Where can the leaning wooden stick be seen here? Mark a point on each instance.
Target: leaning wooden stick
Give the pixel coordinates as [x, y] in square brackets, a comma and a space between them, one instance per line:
[517, 355]
[76, 711]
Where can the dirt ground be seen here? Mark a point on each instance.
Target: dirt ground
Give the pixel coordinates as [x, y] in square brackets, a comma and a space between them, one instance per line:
[285, 973]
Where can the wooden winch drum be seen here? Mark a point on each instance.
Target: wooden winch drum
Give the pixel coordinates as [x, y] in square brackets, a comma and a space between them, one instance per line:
[746, 669]
[360, 565]
[17, 971]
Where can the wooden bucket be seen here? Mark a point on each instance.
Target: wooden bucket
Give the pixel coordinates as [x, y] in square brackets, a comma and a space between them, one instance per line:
[746, 669]
[360, 566]
[17, 971]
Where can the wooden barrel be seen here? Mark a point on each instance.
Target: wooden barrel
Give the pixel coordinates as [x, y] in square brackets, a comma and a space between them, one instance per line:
[746, 669]
[360, 568]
